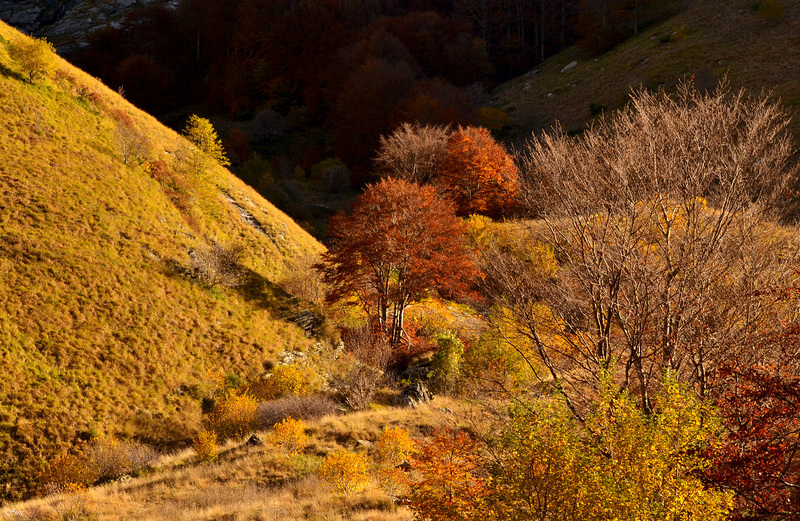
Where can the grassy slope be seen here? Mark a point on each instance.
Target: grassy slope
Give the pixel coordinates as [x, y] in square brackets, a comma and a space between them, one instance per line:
[97, 332]
[712, 38]
[259, 483]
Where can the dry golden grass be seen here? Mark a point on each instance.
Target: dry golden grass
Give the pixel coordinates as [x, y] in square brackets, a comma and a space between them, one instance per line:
[259, 482]
[99, 332]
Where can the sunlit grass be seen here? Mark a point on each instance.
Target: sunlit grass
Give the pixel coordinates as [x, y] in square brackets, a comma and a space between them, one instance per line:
[99, 332]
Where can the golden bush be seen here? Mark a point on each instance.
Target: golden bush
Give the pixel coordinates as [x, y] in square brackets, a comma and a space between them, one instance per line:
[205, 445]
[394, 446]
[234, 414]
[346, 471]
[290, 436]
[285, 380]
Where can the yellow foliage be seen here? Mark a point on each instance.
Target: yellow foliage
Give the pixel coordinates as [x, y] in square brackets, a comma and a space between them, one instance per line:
[205, 445]
[36, 56]
[234, 414]
[346, 471]
[290, 436]
[285, 380]
[201, 132]
[394, 446]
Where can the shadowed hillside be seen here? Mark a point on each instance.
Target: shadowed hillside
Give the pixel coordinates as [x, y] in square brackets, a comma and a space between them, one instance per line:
[103, 327]
[757, 45]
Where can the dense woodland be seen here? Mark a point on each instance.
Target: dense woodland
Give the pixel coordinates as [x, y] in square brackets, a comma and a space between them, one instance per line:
[341, 73]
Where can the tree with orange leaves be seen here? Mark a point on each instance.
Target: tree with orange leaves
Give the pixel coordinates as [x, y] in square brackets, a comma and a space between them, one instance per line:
[449, 482]
[400, 243]
[478, 174]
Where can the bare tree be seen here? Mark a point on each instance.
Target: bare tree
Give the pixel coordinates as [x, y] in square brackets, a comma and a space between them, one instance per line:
[664, 221]
[132, 145]
[218, 265]
[412, 152]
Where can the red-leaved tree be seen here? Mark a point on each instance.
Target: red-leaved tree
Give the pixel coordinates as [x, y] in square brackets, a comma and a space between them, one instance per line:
[400, 242]
[478, 174]
[759, 457]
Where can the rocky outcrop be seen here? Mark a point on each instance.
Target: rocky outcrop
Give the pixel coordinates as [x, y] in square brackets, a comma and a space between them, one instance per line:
[67, 23]
[413, 396]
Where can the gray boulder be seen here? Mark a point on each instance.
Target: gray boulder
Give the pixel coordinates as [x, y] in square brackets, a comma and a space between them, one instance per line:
[413, 396]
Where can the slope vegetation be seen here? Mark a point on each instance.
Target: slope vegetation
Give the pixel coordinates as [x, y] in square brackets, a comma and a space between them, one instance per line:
[756, 45]
[101, 329]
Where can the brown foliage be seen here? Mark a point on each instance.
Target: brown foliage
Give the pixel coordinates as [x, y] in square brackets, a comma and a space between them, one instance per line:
[412, 152]
[661, 218]
[218, 265]
[298, 407]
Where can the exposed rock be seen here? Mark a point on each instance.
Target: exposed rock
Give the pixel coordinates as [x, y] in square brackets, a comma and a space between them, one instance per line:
[413, 374]
[413, 396]
[290, 357]
[569, 66]
[254, 441]
[67, 23]
[307, 320]
[365, 444]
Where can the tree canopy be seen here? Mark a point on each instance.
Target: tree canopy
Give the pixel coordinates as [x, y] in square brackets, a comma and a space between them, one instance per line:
[400, 242]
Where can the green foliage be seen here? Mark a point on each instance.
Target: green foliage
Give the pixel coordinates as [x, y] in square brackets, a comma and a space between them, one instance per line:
[201, 132]
[36, 56]
[446, 363]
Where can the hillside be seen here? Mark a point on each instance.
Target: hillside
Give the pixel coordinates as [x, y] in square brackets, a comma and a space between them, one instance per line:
[756, 47]
[101, 329]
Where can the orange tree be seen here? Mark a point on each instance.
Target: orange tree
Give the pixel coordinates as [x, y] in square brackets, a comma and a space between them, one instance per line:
[400, 243]
[478, 174]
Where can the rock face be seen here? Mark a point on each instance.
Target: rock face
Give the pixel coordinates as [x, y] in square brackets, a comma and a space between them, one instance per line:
[413, 396]
[67, 23]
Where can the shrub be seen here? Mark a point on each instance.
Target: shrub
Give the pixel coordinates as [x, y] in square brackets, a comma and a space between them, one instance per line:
[36, 56]
[446, 363]
[218, 265]
[131, 144]
[371, 350]
[290, 436]
[346, 471]
[73, 502]
[234, 414]
[394, 446]
[201, 133]
[205, 445]
[299, 407]
[111, 458]
[493, 119]
[285, 380]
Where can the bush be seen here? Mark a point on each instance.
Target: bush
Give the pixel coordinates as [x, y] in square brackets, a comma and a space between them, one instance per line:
[290, 436]
[36, 56]
[446, 363]
[493, 119]
[394, 446]
[73, 502]
[346, 471]
[299, 407]
[234, 414]
[218, 265]
[285, 380]
[205, 445]
[371, 350]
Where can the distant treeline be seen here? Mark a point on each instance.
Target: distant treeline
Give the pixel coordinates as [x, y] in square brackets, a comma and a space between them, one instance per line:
[353, 68]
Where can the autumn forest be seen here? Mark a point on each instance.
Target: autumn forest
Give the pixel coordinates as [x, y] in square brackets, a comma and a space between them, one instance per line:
[327, 279]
